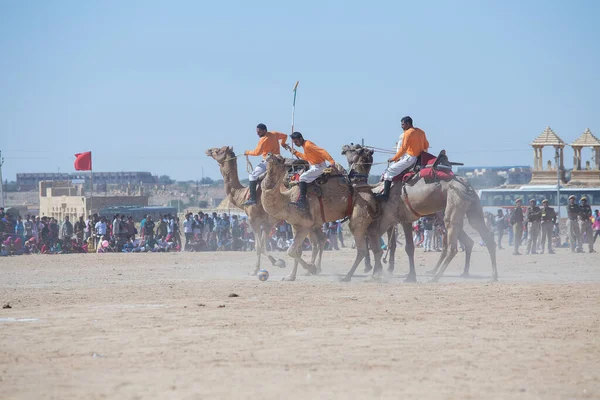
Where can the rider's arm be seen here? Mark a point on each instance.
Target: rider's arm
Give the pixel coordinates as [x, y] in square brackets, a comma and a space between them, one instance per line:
[280, 136]
[258, 150]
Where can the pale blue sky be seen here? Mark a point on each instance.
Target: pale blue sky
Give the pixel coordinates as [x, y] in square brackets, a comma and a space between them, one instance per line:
[150, 85]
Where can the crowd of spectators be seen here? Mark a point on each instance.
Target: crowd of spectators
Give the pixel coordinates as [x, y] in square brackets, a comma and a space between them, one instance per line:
[119, 233]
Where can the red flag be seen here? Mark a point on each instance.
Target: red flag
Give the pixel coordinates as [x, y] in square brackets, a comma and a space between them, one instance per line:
[83, 162]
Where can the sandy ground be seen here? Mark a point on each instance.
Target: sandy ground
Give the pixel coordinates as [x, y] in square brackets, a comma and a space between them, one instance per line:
[162, 326]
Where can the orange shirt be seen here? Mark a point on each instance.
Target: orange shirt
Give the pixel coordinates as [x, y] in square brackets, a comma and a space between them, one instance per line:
[313, 154]
[413, 143]
[268, 144]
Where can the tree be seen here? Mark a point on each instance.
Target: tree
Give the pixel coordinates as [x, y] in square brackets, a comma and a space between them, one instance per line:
[165, 180]
[206, 181]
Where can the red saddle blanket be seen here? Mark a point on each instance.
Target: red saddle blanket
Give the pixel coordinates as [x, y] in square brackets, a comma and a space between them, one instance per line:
[429, 174]
[436, 174]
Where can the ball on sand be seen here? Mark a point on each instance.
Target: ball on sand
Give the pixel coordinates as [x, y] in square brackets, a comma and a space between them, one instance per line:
[263, 275]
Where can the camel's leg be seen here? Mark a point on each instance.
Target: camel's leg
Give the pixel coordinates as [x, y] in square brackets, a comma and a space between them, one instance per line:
[318, 240]
[477, 221]
[391, 249]
[463, 239]
[368, 265]
[466, 241]
[442, 255]
[295, 251]
[261, 247]
[360, 238]
[454, 223]
[409, 247]
[258, 237]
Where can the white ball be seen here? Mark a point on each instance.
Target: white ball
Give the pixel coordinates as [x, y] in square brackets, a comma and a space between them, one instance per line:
[263, 275]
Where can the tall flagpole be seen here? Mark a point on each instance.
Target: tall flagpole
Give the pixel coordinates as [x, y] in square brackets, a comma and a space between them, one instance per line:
[294, 112]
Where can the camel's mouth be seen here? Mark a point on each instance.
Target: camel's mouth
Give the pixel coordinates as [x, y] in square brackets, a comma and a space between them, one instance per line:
[210, 152]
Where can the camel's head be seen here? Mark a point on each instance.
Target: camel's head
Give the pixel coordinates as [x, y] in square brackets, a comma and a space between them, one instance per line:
[276, 160]
[221, 154]
[360, 159]
[276, 167]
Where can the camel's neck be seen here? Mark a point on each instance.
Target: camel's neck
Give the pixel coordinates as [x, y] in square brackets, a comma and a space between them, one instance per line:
[273, 201]
[233, 188]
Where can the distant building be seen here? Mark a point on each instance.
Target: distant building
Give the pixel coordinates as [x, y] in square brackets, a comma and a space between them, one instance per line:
[30, 181]
[63, 198]
[481, 177]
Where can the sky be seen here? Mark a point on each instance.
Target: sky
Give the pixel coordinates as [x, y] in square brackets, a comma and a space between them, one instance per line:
[150, 85]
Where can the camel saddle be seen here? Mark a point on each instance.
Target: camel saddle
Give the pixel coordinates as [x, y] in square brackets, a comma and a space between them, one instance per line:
[429, 167]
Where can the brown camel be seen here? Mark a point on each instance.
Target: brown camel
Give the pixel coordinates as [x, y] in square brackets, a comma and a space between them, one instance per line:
[410, 201]
[259, 220]
[360, 161]
[339, 200]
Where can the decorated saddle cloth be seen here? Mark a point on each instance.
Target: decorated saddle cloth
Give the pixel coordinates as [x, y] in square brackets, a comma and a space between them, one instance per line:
[427, 169]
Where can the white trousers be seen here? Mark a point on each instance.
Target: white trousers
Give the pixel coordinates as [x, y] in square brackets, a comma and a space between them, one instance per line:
[258, 171]
[406, 161]
[313, 173]
[428, 236]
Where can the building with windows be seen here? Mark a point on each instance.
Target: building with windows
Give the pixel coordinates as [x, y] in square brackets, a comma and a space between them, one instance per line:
[30, 181]
[61, 198]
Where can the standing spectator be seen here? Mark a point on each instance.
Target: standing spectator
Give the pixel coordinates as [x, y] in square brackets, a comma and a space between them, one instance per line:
[45, 231]
[428, 230]
[340, 234]
[28, 226]
[101, 229]
[188, 230]
[36, 229]
[223, 227]
[116, 227]
[174, 226]
[20, 228]
[162, 231]
[332, 235]
[585, 224]
[130, 227]
[534, 218]
[596, 225]
[88, 229]
[548, 222]
[142, 223]
[244, 228]
[79, 228]
[500, 226]
[439, 230]
[573, 211]
[149, 229]
[516, 220]
[508, 225]
[54, 231]
[236, 233]
[198, 226]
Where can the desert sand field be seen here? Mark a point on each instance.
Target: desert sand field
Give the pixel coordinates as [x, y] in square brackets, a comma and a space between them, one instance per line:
[163, 326]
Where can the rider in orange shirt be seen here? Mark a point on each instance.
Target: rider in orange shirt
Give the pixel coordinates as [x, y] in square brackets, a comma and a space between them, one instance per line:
[316, 157]
[414, 142]
[268, 143]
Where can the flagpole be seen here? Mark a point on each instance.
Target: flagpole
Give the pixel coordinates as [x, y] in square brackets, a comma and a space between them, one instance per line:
[294, 112]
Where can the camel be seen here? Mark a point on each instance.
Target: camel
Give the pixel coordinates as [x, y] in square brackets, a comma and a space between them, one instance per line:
[339, 200]
[410, 201]
[260, 222]
[360, 161]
